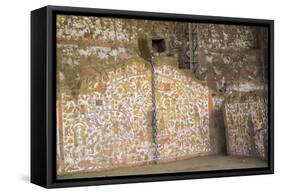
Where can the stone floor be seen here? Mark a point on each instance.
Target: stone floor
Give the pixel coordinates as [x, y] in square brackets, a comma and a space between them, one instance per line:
[205, 163]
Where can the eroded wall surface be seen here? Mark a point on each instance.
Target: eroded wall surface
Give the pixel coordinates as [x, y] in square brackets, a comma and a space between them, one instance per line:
[233, 61]
[182, 113]
[229, 55]
[246, 124]
[104, 102]
[108, 125]
[104, 97]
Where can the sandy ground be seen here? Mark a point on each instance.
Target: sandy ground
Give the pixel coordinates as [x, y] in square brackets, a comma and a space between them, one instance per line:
[204, 163]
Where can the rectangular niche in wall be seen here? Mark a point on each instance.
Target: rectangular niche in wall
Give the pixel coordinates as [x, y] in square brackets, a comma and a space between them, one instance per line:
[123, 96]
[158, 45]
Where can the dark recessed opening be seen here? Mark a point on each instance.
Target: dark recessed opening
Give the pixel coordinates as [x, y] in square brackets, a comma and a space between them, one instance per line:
[158, 45]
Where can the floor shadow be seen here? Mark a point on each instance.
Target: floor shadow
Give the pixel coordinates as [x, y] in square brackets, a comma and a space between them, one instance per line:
[25, 178]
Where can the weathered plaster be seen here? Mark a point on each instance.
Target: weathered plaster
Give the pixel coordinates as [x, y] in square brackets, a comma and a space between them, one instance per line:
[104, 92]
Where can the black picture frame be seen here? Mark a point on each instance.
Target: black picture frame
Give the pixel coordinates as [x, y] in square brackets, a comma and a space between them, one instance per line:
[43, 97]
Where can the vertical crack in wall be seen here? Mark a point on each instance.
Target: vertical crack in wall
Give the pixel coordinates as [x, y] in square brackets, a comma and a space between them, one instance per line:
[105, 88]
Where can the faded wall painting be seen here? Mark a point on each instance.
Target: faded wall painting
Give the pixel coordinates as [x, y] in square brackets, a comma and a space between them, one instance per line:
[145, 96]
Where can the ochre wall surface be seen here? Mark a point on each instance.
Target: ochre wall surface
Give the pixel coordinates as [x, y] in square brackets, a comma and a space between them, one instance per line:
[104, 102]
[109, 125]
[246, 124]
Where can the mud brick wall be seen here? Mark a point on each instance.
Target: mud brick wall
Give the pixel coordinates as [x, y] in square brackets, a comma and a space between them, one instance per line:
[104, 102]
[182, 112]
[232, 59]
[110, 126]
[107, 126]
[246, 124]
[231, 54]
[104, 96]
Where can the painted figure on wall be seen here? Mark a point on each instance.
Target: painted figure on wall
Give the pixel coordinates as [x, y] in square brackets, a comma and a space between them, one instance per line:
[137, 96]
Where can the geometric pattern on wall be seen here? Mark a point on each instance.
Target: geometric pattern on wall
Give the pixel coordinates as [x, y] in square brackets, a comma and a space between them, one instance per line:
[109, 125]
[246, 125]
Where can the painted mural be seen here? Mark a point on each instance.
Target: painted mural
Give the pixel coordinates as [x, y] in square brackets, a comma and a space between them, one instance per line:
[246, 124]
[110, 125]
[119, 109]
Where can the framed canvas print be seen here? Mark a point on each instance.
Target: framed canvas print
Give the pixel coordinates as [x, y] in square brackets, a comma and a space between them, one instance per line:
[125, 96]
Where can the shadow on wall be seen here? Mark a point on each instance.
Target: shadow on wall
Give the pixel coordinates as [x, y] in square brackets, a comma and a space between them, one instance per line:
[105, 87]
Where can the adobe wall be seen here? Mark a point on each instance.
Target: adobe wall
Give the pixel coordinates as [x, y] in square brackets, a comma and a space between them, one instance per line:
[104, 90]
